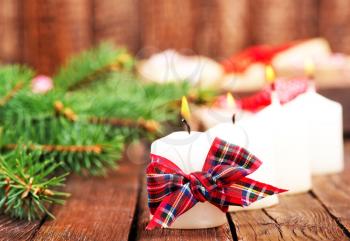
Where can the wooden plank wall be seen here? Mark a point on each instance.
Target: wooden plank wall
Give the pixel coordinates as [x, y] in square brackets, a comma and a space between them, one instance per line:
[43, 33]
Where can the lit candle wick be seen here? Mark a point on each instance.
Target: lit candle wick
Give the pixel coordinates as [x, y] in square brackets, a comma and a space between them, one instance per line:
[186, 125]
[309, 68]
[231, 105]
[185, 113]
[270, 76]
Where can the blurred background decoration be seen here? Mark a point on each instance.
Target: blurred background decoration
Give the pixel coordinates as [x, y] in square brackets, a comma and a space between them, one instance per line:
[44, 33]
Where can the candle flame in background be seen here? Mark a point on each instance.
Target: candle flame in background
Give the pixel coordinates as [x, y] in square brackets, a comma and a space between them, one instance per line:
[230, 100]
[270, 75]
[309, 67]
[185, 109]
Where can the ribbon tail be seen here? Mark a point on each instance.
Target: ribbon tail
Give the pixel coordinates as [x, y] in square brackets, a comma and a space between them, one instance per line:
[172, 207]
[249, 191]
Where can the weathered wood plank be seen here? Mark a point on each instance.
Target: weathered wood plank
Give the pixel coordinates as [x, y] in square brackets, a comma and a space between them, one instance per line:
[255, 225]
[335, 24]
[334, 192]
[116, 20]
[222, 27]
[220, 233]
[17, 230]
[275, 22]
[53, 30]
[166, 24]
[10, 29]
[99, 208]
[299, 217]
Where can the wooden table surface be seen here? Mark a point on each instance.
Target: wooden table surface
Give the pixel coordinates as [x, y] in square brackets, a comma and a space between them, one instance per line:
[115, 208]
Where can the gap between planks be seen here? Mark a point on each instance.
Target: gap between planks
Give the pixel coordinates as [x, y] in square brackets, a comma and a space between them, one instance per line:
[99, 209]
[322, 214]
[297, 217]
[333, 192]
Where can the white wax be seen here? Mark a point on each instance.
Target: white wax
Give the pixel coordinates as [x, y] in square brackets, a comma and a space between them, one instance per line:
[188, 152]
[250, 131]
[253, 135]
[290, 137]
[324, 120]
[288, 129]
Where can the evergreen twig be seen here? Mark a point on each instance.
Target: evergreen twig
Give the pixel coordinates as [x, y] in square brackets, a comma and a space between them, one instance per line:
[90, 65]
[27, 186]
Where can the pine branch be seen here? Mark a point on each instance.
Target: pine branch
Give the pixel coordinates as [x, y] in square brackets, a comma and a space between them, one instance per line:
[80, 146]
[12, 93]
[13, 78]
[123, 97]
[97, 149]
[66, 112]
[27, 186]
[92, 65]
[148, 125]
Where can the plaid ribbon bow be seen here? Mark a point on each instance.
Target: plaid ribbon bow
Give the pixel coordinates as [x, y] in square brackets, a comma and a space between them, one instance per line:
[222, 182]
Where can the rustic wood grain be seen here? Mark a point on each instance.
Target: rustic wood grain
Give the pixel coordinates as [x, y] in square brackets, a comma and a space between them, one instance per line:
[11, 229]
[335, 23]
[221, 27]
[10, 31]
[117, 21]
[166, 24]
[53, 30]
[99, 208]
[298, 217]
[334, 193]
[213, 234]
[307, 20]
[275, 21]
[255, 225]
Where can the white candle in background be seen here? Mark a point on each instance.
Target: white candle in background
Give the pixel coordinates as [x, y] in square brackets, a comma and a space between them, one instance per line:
[250, 132]
[290, 135]
[325, 128]
[289, 132]
[290, 138]
[325, 132]
[211, 116]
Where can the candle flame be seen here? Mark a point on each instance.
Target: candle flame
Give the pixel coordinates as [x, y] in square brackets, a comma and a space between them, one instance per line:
[185, 109]
[270, 74]
[230, 100]
[309, 67]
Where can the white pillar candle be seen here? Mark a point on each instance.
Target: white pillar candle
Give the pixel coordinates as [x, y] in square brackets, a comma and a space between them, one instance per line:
[211, 116]
[188, 152]
[289, 132]
[290, 137]
[324, 121]
[252, 134]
